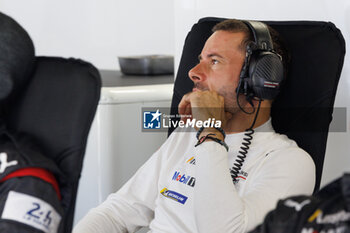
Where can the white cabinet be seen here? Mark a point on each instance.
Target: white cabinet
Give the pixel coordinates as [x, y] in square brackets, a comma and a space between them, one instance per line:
[117, 147]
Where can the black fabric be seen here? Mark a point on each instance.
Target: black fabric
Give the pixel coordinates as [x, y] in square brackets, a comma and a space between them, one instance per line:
[16, 57]
[18, 147]
[36, 188]
[303, 110]
[326, 211]
[56, 110]
[17, 152]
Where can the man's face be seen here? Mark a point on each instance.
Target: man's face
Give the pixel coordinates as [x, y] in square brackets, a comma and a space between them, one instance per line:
[220, 65]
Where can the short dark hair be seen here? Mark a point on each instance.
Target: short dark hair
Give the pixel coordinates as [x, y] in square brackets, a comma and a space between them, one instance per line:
[235, 25]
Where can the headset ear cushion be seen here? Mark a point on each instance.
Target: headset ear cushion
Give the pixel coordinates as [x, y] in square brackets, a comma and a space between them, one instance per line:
[265, 74]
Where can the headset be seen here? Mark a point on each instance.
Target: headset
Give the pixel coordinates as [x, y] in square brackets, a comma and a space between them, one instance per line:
[262, 71]
[260, 78]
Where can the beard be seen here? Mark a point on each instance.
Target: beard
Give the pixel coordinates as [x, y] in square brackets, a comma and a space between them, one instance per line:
[230, 99]
[229, 94]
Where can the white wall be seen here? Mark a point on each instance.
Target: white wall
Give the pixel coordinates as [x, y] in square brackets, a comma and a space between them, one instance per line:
[187, 12]
[96, 30]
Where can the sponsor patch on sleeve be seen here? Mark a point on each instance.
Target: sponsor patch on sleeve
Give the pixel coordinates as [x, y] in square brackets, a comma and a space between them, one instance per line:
[31, 211]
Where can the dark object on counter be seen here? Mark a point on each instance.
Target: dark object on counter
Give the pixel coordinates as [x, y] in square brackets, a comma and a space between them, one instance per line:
[147, 65]
[115, 78]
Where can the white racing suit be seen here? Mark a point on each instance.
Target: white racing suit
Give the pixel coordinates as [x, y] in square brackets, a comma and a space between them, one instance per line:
[183, 188]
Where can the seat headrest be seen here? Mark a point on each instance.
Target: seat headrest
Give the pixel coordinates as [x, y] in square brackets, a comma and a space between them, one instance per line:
[17, 56]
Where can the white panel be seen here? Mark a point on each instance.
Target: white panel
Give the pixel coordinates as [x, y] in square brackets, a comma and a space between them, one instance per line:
[96, 30]
[132, 94]
[88, 194]
[124, 147]
[117, 147]
[184, 19]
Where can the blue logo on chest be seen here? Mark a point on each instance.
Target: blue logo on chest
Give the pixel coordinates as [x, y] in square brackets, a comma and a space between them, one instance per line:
[173, 195]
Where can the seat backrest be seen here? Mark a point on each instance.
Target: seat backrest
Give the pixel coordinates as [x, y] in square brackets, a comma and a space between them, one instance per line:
[52, 101]
[303, 110]
[56, 110]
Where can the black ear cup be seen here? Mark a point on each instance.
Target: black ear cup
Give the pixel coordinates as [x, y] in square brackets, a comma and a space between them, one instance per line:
[262, 72]
[265, 75]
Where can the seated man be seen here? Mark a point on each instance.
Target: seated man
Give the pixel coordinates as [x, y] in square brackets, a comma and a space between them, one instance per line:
[199, 182]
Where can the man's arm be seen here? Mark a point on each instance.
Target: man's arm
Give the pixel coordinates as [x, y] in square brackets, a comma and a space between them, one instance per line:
[218, 206]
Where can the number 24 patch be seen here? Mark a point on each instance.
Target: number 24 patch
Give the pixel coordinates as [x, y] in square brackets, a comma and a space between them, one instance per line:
[32, 211]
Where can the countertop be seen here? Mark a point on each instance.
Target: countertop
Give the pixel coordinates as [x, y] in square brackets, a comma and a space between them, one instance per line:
[118, 88]
[115, 78]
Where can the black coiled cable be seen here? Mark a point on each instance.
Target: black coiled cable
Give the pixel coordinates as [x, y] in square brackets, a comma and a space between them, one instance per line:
[247, 140]
[242, 154]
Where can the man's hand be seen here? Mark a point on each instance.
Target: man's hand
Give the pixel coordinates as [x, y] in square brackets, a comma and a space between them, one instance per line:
[204, 105]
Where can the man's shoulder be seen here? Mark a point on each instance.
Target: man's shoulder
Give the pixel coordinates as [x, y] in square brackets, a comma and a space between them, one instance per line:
[283, 140]
[286, 149]
[286, 152]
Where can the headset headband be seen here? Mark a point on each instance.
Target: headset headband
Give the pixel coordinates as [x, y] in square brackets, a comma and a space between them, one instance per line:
[261, 34]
